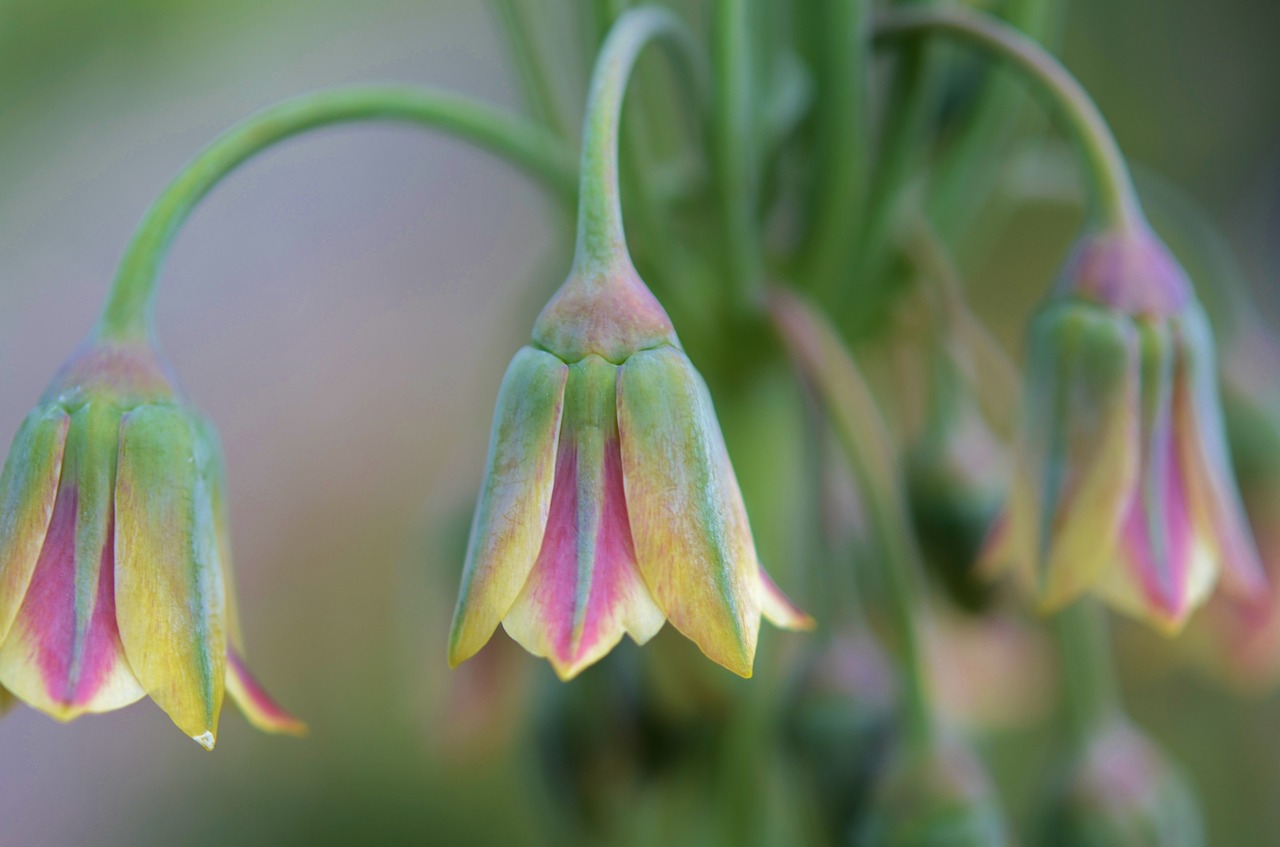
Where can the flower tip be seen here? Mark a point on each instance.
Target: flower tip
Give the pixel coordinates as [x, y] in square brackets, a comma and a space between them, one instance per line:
[205, 739]
[779, 609]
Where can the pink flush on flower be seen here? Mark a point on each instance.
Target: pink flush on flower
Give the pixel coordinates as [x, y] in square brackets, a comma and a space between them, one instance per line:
[114, 570]
[1122, 484]
[609, 506]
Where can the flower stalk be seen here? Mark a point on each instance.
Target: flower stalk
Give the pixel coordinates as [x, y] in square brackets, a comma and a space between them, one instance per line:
[823, 361]
[1108, 176]
[601, 240]
[1091, 702]
[129, 309]
[734, 153]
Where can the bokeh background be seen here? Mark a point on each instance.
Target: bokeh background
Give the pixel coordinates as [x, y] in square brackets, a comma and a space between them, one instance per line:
[344, 307]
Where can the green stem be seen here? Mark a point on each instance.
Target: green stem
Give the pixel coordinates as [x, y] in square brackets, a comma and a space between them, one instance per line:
[530, 70]
[1112, 188]
[601, 240]
[734, 133]
[1091, 701]
[966, 168]
[841, 151]
[826, 364]
[910, 102]
[129, 311]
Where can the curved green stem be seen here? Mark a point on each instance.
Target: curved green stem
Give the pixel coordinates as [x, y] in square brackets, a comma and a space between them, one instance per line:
[735, 171]
[966, 168]
[1112, 187]
[1090, 697]
[129, 308]
[601, 239]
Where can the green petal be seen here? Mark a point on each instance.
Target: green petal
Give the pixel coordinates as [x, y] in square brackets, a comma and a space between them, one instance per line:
[170, 596]
[1075, 463]
[515, 498]
[28, 490]
[692, 540]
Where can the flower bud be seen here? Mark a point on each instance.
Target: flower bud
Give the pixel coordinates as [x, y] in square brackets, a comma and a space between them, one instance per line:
[609, 505]
[115, 580]
[1120, 792]
[941, 796]
[1121, 482]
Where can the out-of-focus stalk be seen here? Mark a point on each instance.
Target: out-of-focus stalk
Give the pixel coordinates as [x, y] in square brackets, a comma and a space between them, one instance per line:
[966, 168]
[734, 154]
[127, 315]
[841, 156]
[1116, 203]
[1090, 700]
[824, 362]
[910, 101]
[530, 68]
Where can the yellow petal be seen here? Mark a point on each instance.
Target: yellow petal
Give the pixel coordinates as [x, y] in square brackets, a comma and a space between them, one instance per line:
[1075, 462]
[515, 498]
[169, 589]
[692, 540]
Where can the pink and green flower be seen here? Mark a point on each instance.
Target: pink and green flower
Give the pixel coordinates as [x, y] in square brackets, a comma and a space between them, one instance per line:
[609, 504]
[115, 579]
[1122, 484]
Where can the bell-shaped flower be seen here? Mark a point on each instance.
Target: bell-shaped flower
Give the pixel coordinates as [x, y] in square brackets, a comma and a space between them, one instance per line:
[609, 504]
[115, 581]
[1122, 483]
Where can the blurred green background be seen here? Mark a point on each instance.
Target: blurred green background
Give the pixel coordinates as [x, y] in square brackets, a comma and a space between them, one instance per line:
[344, 308]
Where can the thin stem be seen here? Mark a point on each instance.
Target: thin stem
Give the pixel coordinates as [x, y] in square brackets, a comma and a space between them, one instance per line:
[826, 364]
[129, 310]
[841, 152]
[1112, 187]
[530, 70]
[1090, 698]
[601, 239]
[910, 102]
[734, 159]
[966, 168]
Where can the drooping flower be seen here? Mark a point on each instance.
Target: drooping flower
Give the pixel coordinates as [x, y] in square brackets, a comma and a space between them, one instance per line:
[115, 581]
[609, 504]
[1122, 484]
